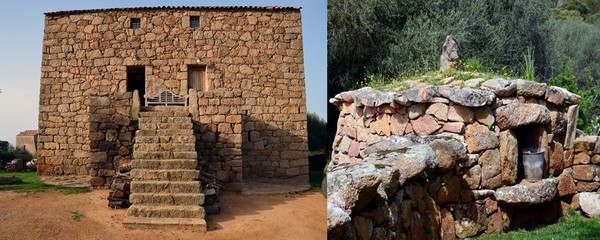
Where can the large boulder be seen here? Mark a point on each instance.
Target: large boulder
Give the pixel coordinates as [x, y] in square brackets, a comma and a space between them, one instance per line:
[590, 203]
[351, 187]
[527, 193]
[467, 97]
[409, 162]
[509, 156]
[479, 137]
[372, 98]
[501, 87]
[519, 114]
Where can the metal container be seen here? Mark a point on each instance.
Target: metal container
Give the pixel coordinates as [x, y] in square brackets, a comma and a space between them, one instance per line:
[533, 165]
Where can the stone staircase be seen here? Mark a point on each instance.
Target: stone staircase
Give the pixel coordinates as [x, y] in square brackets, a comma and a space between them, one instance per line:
[164, 188]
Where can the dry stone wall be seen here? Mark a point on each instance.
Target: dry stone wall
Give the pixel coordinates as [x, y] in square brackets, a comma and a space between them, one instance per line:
[254, 53]
[446, 161]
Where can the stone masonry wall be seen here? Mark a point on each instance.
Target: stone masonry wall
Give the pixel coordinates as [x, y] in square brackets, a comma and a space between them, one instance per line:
[255, 51]
[473, 183]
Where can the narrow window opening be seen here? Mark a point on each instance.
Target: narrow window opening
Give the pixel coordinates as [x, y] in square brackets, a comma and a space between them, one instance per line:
[135, 23]
[194, 21]
[197, 78]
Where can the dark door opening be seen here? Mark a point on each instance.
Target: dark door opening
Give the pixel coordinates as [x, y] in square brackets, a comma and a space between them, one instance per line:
[136, 80]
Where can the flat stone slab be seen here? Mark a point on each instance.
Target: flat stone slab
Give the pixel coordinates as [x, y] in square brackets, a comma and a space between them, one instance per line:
[527, 193]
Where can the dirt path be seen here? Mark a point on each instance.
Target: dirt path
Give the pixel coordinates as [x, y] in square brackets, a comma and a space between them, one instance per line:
[52, 215]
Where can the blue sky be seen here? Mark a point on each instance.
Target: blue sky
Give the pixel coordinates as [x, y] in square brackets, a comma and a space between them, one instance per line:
[22, 24]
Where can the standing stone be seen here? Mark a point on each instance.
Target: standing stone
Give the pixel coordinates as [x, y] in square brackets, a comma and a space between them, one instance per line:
[479, 137]
[572, 115]
[449, 57]
[135, 106]
[509, 156]
[556, 158]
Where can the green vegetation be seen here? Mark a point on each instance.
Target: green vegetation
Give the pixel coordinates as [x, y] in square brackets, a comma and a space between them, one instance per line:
[386, 43]
[317, 133]
[13, 153]
[32, 184]
[76, 216]
[572, 226]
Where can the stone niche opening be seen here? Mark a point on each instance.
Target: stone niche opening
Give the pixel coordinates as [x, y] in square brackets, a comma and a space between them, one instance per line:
[529, 138]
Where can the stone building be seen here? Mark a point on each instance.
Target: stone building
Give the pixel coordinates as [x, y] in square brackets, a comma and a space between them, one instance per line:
[454, 161]
[27, 140]
[240, 67]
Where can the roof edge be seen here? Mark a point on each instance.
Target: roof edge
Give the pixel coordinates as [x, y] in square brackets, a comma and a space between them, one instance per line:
[270, 8]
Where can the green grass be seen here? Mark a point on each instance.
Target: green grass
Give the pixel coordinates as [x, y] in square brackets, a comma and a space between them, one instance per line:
[572, 226]
[32, 184]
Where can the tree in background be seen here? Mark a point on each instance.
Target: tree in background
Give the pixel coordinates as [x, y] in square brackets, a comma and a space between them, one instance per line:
[317, 133]
[390, 39]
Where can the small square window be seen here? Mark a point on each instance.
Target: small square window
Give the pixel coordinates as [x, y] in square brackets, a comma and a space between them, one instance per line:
[135, 23]
[194, 21]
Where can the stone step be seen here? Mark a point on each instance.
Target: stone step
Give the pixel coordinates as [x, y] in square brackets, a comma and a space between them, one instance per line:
[165, 132]
[165, 114]
[165, 139]
[164, 164]
[144, 120]
[159, 108]
[166, 211]
[164, 155]
[162, 175]
[155, 126]
[165, 187]
[167, 198]
[155, 147]
[141, 222]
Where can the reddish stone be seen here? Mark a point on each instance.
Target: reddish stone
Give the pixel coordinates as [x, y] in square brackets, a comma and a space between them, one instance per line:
[354, 149]
[564, 208]
[479, 137]
[447, 229]
[581, 158]
[472, 178]
[425, 125]
[584, 172]
[118, 194]
[556, 158]
[409, 129]
[585, 143]
[566, 185]
[398, 123]
[97, 181]
[454, 127]
[490, 205]
[384, 125]
[386, 108]
[568, 158]
[587, 186]
[495, 223]
[491, 169]
[448, 193]
[459, 113]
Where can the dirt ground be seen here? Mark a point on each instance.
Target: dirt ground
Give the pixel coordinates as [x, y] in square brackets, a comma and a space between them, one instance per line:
[52, 215]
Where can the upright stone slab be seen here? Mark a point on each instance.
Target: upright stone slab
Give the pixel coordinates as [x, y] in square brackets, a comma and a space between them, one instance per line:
[572, 115]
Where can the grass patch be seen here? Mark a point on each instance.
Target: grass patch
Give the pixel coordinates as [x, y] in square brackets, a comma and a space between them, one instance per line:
[32, 184]
[572, 226]
[315, 178]
[76, 216]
